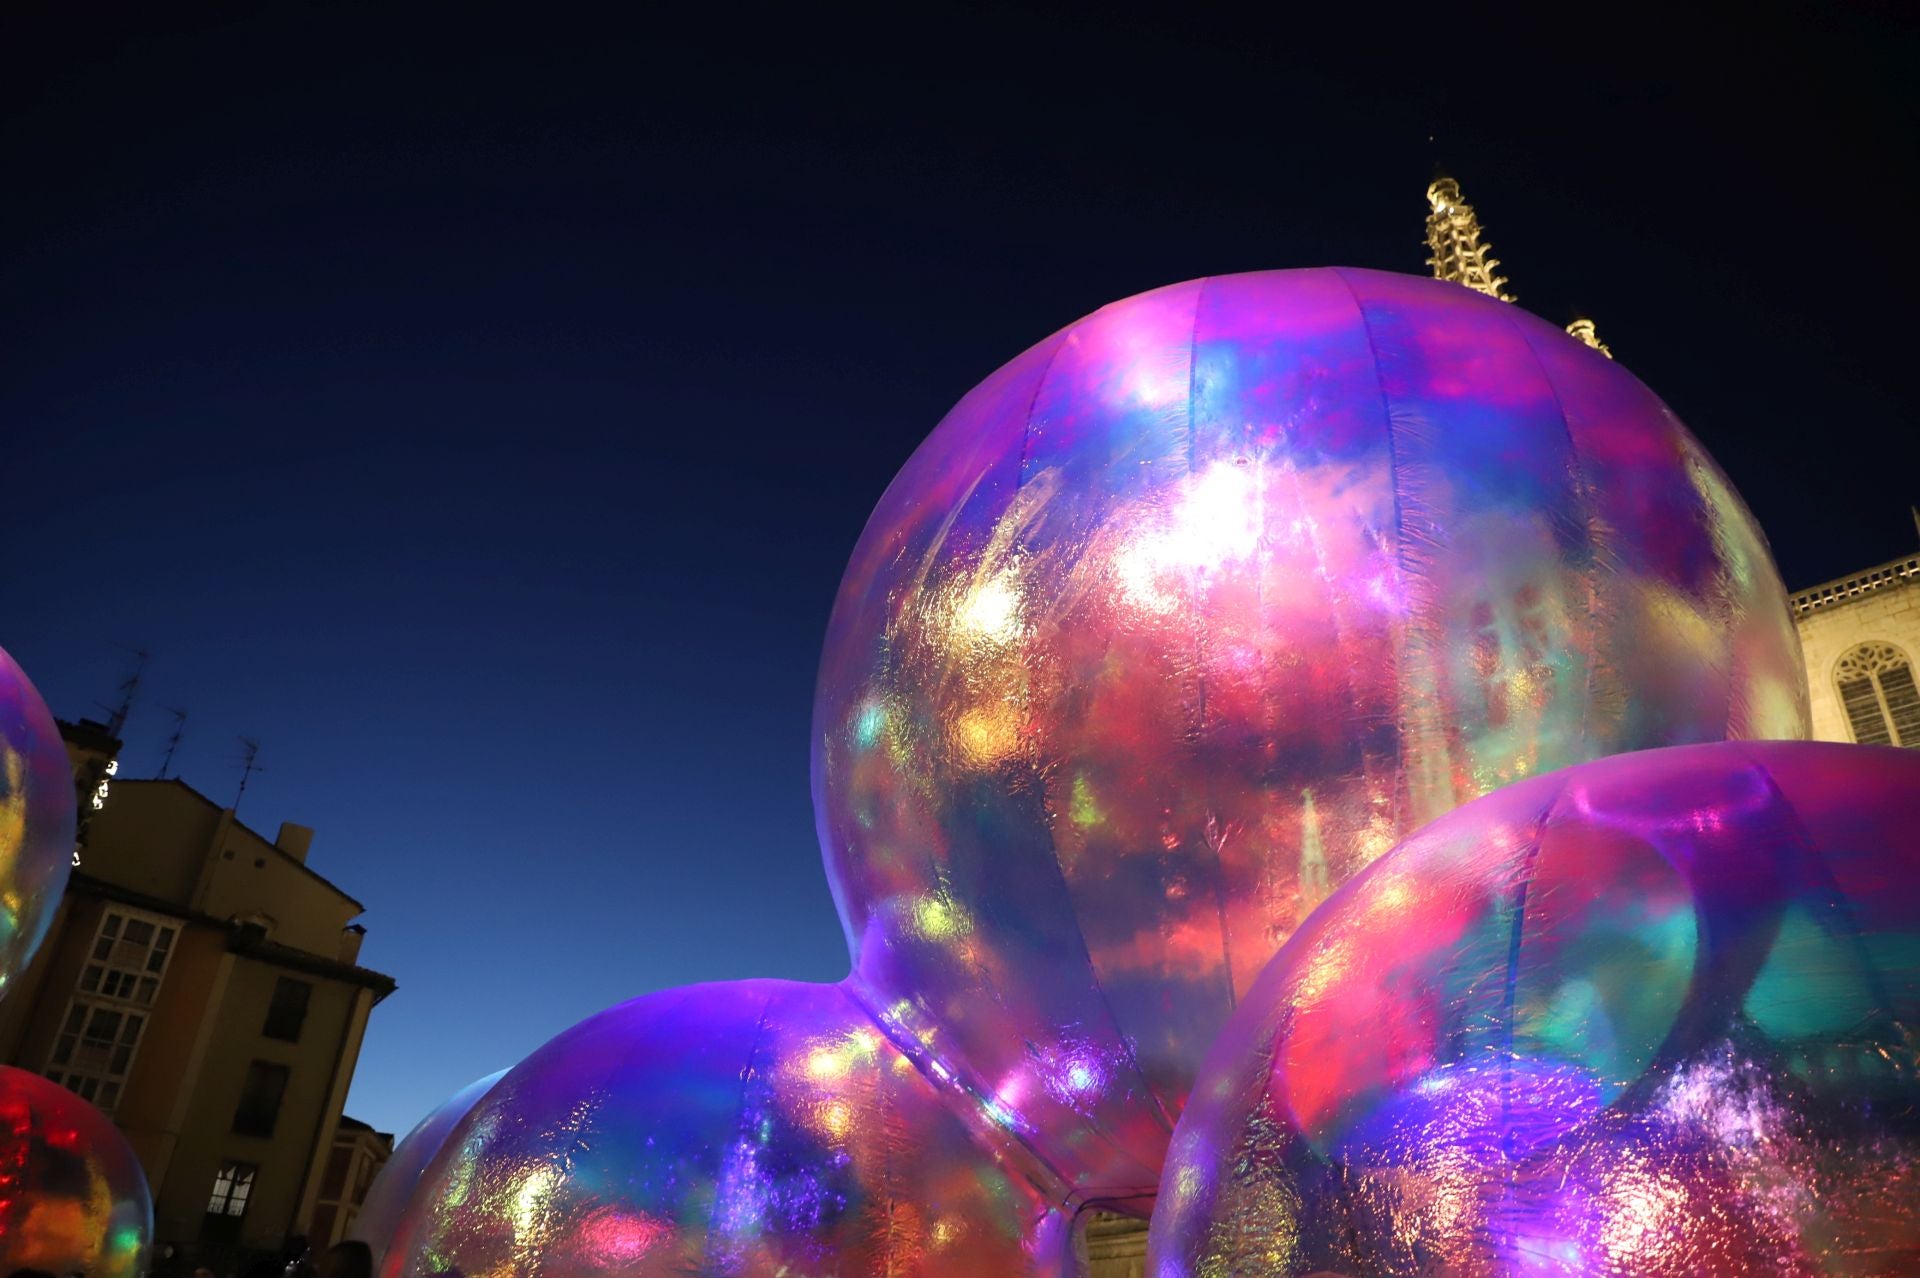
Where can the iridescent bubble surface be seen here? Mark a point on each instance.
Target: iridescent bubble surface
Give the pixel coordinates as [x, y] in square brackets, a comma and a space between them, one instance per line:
[381, 1210]
[749, 1128]
[1652, 1015]
[36, 820]
[1188, 613]
[72, 1195]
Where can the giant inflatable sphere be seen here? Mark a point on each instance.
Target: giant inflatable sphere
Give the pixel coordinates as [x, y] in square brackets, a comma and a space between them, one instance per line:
[746, 1130]
[387, 1197]
[1188, 613]
[73, 1198]
[1650, 1016]
[36, 820]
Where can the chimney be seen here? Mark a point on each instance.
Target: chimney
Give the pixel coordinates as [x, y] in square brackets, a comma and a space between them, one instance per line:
[294, 840]
[350, 938]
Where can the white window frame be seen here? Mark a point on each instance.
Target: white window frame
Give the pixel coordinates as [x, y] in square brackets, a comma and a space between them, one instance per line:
[237, 1190]
[126, 977]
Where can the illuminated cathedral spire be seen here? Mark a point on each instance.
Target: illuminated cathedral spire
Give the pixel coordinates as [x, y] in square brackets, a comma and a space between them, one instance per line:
[1453, 236]
[1583, 329]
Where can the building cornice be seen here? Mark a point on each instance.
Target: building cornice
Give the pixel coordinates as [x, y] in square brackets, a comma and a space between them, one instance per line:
[1845, 590]
[242, 939]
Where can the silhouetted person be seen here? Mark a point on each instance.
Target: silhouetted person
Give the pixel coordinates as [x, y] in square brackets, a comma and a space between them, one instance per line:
[350, 1259]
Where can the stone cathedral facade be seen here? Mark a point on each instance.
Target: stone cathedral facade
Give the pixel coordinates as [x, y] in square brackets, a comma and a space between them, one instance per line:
[1860, 635]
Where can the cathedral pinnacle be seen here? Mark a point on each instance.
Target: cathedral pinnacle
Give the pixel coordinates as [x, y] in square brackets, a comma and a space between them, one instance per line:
[1453, 236]
[1583, 330]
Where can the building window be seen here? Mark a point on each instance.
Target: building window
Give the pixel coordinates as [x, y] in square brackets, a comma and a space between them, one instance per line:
[129, 958]
[260, 1099]
[232, 1186]
[288, 1012]
[1877, 690]
[94, 1050]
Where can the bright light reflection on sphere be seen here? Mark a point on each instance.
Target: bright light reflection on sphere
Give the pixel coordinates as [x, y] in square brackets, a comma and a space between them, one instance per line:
[1652, 1015]
[1188, 613]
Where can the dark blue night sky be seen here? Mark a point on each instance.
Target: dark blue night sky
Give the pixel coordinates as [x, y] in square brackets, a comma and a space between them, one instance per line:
[478, 405]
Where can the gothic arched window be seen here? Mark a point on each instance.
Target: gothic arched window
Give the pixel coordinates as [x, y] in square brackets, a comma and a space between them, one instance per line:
[1876, 687]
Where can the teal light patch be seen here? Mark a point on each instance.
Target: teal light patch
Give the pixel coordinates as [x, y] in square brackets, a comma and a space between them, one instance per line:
[1812, 983]
[871, 722]
[1614, 1015]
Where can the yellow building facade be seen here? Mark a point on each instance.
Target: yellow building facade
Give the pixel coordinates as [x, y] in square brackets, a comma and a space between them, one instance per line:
[200, 985]
[359, 1152]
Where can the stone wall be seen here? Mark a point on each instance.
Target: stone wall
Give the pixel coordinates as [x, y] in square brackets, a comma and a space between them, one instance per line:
[1878, 605]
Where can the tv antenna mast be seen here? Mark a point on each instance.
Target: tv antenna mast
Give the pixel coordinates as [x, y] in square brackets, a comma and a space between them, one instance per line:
[117, 720]
[173, 742]
[250, 753]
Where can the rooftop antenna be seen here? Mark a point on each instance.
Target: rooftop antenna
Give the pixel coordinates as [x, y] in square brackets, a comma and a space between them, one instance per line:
[128, 687]
[1453, 238]
[173, 742]
[249, 766]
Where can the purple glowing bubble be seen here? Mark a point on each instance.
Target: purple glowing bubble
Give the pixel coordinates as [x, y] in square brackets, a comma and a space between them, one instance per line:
[749, 1128]
[36, 820]
[386, 1201]
[1189, 612]
[1651, 1015]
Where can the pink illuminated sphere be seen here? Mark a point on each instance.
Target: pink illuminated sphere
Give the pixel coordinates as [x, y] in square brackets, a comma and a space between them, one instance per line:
[1646, 1017]
[73, 1197]
[746, 1129]
[36, 820]
[1185, 615]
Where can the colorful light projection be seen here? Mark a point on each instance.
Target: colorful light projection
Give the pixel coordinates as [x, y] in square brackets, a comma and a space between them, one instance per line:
[747, 1128]
[1653, 1015]
[1188, 613]
[72, 1196]
[382, 1209]
[36, 820]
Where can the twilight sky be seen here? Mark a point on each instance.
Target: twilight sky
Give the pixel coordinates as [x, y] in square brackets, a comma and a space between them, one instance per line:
[478, 404]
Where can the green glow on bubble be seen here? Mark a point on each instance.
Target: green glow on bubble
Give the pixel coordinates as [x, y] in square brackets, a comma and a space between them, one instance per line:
[1084, 810]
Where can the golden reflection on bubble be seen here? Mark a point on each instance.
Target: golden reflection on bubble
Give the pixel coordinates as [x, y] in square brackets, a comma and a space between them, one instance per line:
[938, 917]
[1677, 620]
[986, 735]
[835, 1119]
[1641, 1204]
[532, 1199]
[13, 815]
[1327, 965]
